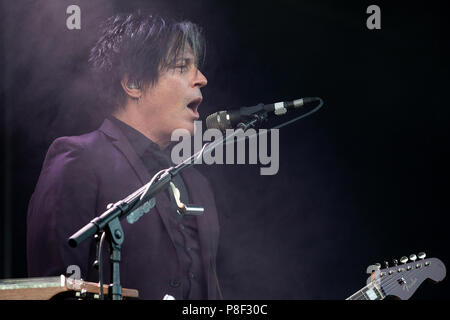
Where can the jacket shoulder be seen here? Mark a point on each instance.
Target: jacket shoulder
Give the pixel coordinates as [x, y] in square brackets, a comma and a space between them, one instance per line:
[85, 141]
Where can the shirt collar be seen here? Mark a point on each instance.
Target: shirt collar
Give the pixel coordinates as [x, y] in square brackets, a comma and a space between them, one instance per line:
[140, 143]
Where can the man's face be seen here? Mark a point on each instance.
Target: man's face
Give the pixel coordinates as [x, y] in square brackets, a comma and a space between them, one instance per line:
[172, 103]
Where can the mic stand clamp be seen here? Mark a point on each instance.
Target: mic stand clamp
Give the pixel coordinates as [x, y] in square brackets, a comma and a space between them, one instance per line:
[184, 209]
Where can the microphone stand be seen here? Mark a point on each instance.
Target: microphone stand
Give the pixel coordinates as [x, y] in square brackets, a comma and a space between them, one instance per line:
[109, 220]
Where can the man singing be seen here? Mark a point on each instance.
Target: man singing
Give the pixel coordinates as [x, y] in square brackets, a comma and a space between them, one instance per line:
[146, 69]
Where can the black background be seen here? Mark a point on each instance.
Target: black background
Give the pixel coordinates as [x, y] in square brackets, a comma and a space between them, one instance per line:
[363, 180]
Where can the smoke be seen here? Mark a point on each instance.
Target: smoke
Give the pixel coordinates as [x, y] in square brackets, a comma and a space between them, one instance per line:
[48, 79]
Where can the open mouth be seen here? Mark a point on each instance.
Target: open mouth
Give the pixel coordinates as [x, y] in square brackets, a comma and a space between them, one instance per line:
[193, 105]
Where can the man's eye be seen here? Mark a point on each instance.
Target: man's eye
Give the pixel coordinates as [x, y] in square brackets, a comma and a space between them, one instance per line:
[181, 68]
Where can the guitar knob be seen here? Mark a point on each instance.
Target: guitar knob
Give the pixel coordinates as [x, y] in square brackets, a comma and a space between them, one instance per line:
[386, 264]
[378, 265]
[404, 259]
[395, 261]
[421, 255]
[413, 257]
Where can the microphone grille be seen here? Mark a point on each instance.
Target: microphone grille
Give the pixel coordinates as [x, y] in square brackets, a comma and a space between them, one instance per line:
[218, 120]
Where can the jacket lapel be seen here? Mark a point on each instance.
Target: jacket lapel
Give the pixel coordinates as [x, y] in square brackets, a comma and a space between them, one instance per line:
[121, 143]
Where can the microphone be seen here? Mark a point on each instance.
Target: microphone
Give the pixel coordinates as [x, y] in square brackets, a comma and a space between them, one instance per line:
[223, 120]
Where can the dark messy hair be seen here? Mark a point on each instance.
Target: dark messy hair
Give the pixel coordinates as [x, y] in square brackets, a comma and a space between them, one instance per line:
[139, 46]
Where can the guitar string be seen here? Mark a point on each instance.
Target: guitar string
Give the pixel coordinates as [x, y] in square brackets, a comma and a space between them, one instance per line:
[360, 293]
[393, 282]
[389, 284]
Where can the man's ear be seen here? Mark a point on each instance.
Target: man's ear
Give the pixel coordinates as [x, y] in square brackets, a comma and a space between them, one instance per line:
[131, 88]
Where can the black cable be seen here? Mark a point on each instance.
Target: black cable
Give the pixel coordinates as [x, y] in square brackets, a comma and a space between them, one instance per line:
[302, 116]
[100, 265]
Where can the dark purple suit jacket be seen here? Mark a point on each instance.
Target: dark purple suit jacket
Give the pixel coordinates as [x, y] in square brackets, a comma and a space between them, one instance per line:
[80, 176]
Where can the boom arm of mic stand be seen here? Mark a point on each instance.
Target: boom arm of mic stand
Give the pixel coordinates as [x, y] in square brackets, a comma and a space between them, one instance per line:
[119, 210]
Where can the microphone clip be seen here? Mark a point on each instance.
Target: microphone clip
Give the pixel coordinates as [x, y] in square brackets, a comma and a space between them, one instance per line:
[184, 209]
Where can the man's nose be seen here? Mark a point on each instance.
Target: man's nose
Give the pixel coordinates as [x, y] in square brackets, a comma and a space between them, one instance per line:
[200, 79]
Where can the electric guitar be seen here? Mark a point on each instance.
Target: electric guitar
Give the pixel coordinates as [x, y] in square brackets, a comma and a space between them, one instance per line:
[401, 280]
